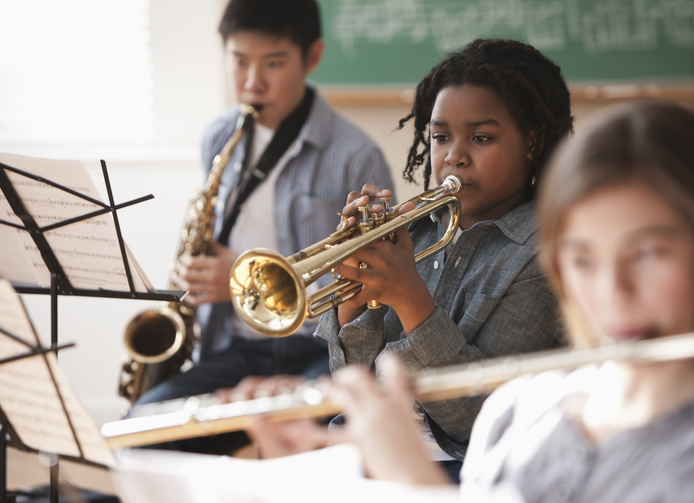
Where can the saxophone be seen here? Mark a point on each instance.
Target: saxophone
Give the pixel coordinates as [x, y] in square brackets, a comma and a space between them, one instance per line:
[159, 342]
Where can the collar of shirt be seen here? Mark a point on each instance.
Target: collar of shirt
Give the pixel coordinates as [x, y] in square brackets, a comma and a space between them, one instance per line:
[316, 130]
[517, 225]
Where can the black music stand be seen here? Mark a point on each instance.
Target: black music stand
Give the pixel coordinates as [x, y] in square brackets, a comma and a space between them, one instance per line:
[43, 389]
[59, 281]
[8, 435]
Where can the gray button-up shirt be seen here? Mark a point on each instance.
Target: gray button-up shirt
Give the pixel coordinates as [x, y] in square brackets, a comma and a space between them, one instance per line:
[492, 300]
[529, 435]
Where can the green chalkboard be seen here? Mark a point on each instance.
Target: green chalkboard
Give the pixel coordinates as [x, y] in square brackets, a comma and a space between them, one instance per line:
[374, 42]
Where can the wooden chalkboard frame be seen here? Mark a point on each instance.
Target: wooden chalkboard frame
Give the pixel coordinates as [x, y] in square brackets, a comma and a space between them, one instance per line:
[398, 96]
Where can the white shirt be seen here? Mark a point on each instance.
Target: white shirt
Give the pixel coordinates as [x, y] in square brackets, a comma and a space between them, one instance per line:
[254, 226]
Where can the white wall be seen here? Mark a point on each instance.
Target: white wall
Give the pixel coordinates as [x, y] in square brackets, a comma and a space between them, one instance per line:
[188, 93]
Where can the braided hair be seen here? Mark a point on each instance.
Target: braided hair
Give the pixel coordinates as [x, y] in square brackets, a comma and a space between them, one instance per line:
[530, 84]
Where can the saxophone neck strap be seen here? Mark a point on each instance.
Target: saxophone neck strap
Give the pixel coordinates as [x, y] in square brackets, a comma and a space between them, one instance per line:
[253, 175]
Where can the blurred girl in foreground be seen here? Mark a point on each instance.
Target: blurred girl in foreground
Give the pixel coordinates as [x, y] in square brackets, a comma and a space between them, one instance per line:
[617, 223]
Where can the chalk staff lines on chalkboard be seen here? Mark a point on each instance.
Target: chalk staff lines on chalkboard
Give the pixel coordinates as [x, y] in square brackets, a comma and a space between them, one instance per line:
[598, 25]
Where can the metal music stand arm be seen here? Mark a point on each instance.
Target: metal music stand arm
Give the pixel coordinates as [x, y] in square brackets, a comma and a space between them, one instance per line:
[60, 284]
[37, 234]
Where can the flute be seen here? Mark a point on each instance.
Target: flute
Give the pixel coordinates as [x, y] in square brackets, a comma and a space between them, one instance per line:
[205, 415]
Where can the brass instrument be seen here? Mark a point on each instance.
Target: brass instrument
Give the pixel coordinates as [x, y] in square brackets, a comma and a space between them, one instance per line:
[160, 341]
[204, 415]
[269, 291]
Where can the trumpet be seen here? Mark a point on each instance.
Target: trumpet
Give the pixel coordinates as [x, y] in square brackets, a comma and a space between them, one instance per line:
[205, 415]
[269, 290]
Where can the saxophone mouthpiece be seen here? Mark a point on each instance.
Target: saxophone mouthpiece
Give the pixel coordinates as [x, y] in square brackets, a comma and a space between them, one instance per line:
[249, 114]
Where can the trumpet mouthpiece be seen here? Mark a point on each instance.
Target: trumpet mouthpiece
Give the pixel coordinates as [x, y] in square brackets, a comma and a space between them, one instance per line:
[452, 183]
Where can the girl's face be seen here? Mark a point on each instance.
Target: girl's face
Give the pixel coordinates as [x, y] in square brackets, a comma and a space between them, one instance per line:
[474, 137]
[626, 261]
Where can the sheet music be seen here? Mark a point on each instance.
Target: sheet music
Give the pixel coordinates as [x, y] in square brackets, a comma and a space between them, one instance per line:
[94, 447]
[334, 474]
[29, 397]
[88, 251]
[13, 319]
[21, 261]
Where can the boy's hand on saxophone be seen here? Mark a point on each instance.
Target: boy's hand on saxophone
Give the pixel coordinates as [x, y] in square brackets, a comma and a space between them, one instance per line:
[206, 277]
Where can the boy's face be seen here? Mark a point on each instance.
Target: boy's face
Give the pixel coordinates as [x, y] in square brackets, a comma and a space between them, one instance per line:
[269, 71]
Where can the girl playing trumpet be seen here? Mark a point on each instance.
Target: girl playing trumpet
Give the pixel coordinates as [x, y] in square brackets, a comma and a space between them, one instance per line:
[617, 215]
[491, 114]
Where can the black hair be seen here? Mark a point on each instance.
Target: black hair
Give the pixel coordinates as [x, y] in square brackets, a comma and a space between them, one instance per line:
[298, 20]
[530, 84]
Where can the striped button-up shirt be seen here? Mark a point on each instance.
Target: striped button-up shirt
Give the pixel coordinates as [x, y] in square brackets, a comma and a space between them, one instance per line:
[330, 158]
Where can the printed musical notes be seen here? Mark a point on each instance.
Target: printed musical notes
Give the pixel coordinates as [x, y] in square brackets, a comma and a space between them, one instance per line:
[87, 250]
[35, 394]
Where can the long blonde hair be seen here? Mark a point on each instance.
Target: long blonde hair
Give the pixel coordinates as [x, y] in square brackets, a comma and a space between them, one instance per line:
[650, 142]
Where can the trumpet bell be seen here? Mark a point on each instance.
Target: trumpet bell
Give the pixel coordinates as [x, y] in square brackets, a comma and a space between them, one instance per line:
[268, 293]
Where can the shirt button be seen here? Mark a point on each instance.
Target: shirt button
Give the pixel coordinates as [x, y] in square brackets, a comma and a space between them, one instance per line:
[237, 166]
[436, 264]
[579, 452]
[457, 262]
[563, 492]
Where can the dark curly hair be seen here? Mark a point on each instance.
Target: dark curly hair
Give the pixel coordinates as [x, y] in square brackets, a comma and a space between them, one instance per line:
[530, 84]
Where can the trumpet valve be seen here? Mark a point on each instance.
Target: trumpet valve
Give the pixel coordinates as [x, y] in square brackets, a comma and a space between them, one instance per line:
[366, 223]
[388, 212]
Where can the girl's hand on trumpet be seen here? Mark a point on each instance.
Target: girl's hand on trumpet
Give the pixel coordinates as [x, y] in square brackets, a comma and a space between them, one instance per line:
[386, 270]
[367, 196]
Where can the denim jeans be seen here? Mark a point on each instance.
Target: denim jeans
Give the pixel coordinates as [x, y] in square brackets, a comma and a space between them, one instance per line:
[297, 355]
